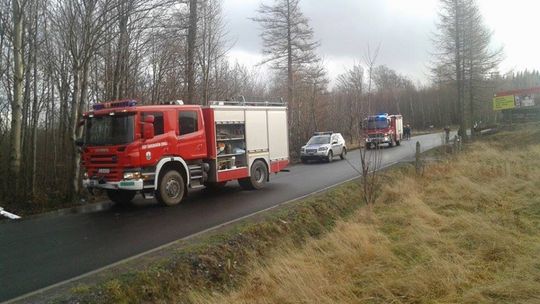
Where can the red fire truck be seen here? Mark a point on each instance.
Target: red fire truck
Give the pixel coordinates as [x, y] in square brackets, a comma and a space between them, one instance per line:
[383, 129]
[162, 150]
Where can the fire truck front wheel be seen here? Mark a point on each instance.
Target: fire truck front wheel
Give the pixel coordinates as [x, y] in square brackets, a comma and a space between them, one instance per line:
[258, 178]
[122, 197]
[171, 188]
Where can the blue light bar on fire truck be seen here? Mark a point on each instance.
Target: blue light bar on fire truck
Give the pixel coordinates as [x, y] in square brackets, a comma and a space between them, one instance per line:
[379, 117]
[114, 104]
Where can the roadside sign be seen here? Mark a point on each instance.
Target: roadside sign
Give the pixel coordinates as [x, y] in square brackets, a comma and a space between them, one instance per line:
[503, 102]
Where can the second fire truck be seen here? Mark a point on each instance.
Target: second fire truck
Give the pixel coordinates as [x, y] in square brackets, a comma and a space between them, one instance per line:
[383, 129]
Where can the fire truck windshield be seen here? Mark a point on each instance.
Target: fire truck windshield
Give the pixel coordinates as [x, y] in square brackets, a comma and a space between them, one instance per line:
[109, 130]
[377, 124]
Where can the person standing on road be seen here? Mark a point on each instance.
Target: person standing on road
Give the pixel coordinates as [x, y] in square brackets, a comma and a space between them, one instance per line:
[447, 134]
[407, 132]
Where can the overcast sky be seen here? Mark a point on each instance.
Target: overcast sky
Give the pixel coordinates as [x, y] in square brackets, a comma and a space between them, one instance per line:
[402, 27]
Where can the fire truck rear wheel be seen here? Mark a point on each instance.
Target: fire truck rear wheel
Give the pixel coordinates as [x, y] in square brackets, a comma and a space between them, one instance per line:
[122, 197]
[258, 178]
[171, 188]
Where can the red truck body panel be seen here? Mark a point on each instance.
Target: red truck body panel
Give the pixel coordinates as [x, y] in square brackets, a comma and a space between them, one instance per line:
[195, 145]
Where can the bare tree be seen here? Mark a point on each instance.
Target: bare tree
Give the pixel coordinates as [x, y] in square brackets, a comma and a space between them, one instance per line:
[370, 161]
[463, 52]
[191, 45]
[288, 44]
[351, 84]
[287, 38]
[81, 26]
[18, 7]
[212, 46]
[480, 59]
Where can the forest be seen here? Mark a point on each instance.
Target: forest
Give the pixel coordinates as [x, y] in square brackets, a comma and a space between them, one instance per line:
[58, 57]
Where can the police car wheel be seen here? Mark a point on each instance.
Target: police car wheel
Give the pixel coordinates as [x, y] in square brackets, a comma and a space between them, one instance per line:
[330, 156]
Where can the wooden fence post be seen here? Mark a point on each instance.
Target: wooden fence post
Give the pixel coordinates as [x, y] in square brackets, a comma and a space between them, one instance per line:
[418, 164]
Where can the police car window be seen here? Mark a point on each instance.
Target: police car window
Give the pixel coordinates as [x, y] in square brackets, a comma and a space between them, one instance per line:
[158, 121]
[188, 122]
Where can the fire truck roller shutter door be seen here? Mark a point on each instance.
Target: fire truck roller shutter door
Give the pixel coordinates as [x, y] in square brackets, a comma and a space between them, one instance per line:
[166, 160]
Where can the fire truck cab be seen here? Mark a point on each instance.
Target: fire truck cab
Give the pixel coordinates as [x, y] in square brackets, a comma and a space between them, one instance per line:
[162, 150]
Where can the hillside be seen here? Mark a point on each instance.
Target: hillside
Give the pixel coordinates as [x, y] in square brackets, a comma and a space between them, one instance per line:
[467, 231]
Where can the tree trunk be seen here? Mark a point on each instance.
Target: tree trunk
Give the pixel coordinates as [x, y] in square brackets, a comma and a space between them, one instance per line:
[458, 66]
[290, 82]
[35, 119]
[16, 106]
[192, 39]
[121, 56]
[77, 131]
[294, 117]
[75, 166]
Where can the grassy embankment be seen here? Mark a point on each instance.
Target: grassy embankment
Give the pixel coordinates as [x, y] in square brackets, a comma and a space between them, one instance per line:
[467, 231]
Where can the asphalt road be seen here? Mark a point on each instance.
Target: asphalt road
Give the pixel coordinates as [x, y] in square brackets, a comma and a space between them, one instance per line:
[36, 253]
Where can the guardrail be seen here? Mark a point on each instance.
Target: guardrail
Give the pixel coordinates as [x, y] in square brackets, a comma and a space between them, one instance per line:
[8, 214]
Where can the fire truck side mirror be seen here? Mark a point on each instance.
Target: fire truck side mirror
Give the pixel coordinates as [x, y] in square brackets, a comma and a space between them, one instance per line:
[148, 127]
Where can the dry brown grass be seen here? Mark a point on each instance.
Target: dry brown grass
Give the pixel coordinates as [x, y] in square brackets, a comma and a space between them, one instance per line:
[467, 231]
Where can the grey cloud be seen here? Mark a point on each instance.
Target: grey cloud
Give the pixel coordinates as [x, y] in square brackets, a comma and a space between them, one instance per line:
[346, 27]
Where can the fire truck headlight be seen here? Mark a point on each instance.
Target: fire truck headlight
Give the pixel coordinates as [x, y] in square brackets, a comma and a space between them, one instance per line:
[132, 175]
[85, 175]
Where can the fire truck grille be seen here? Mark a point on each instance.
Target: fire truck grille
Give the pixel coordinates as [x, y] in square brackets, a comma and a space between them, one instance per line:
[108, 174]
[104, 166]
[375, 135]
[103, 160]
